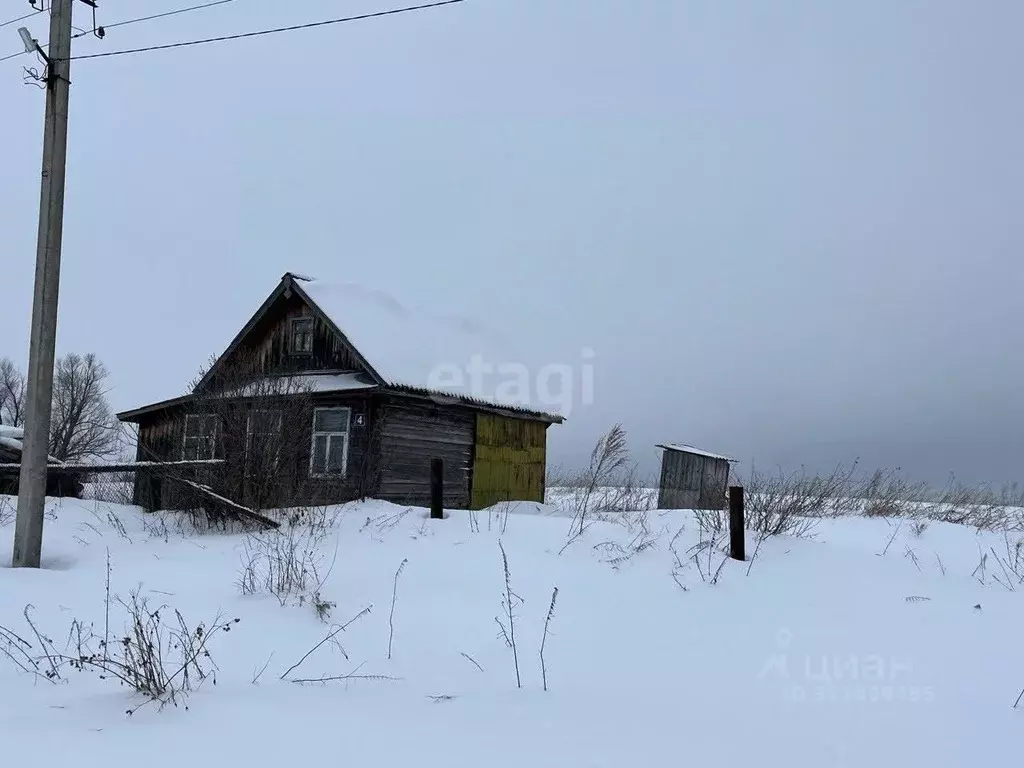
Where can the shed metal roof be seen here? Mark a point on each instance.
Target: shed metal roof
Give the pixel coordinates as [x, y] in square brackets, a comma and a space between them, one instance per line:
[684, 448]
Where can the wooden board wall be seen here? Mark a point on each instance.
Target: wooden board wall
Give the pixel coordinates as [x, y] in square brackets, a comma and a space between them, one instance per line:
[691, 481]
[266, 347]
[160, 439]
[509, 460]
[411, 434]
[159, 434]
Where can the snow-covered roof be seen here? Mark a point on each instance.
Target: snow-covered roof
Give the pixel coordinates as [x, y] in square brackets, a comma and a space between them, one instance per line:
[421, 352]
[406, 345]
[413, 347]
[14, 443]
[10, 442]
[684, 448]
[311, 383]
[15, 433]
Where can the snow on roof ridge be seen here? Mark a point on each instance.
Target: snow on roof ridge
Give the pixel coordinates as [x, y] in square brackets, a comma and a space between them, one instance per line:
[307, 382]
[387, 300]
[409, 345]
[686, 448]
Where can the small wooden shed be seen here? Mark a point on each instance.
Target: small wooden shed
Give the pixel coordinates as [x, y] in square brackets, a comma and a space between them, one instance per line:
[692, 478]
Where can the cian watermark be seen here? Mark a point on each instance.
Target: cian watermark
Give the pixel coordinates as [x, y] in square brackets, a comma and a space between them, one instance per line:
[842, 677]
[557, 387]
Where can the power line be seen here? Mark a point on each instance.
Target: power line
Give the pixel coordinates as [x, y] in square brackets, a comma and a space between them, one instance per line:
[121, 23]
[259, 33]
[14, 55]
[36, 12]
[22, 18]
[158, 16]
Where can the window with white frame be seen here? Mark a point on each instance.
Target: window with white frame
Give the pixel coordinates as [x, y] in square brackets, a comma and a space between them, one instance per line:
[200, 438]
[301, 335]
[263, 436]
[330, 442]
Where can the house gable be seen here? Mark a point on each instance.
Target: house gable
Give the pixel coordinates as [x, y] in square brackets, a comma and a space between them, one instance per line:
[405, 348]
[265, 346]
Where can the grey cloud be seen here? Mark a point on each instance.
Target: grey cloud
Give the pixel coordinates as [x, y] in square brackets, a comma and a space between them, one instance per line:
[788, 230]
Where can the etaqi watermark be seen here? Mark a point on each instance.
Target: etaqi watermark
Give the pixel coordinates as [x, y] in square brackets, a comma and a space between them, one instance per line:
[557, 387]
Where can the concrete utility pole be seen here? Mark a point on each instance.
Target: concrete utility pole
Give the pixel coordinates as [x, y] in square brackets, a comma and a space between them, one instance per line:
[28, 532]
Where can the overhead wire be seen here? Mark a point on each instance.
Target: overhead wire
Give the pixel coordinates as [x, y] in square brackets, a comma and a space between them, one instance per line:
[157, 16]
[223, 38]
[82, 33]
[22, 18]
[36, 12]
[275, 30]
[13, 55]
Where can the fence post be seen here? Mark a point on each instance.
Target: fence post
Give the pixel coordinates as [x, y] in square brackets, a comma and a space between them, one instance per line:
[437, 489]
[737, 545]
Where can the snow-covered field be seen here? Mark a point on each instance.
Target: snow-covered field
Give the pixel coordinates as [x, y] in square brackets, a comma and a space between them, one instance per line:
[858, 648]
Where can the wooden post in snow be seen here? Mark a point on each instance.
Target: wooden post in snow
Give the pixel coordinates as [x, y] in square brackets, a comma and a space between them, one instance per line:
[737, 545]
[437, 489]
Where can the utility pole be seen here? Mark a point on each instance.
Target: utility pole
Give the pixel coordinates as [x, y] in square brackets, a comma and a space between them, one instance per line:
[28, 532]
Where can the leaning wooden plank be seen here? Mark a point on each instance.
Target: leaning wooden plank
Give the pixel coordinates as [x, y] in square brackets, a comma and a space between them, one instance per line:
[235, 506]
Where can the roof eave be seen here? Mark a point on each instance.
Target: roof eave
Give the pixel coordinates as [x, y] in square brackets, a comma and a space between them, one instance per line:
[133, 415]
[445, 398]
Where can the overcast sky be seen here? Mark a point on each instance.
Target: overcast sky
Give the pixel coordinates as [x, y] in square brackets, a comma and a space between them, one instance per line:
[789, 231]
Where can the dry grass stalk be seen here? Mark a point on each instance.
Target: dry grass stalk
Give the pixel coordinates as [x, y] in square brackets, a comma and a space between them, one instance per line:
[509, 601]
[544, 639]
[394, 599]
[165, 662]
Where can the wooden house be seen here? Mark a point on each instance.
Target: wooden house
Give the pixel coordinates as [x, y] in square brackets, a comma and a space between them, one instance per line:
[357, 393]
[692, 478]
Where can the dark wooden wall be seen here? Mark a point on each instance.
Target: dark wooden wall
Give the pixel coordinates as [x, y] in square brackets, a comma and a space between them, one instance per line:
[160, 439]
[389, 456]
[358, 481]
[268, 342]
[692, 481]
[411, 434]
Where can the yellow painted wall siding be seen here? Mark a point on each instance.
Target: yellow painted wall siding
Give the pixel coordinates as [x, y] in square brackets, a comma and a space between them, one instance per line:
[509, 460]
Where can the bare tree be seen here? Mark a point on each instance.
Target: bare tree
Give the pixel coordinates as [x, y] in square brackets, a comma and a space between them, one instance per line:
[82, 424]
[12, 394]
[260, 425]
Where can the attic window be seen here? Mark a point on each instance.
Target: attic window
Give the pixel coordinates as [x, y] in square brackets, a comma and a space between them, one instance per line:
[301, 335]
